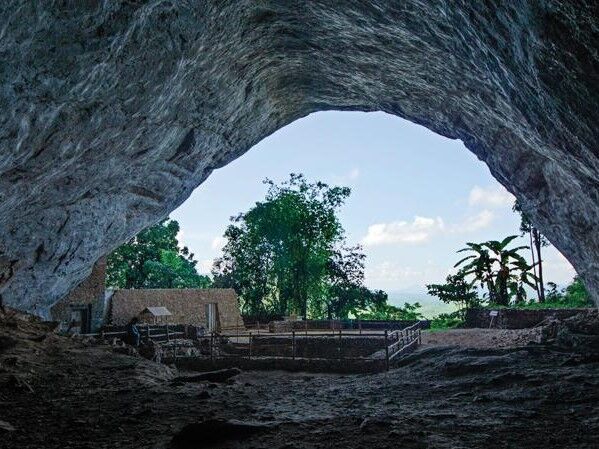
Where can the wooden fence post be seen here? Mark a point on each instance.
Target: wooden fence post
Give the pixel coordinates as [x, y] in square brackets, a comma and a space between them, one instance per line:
[168, 337]
[148, 332]
[211, 346]
[386, 350]
[340, 343]
[293, 344]
[250, 346]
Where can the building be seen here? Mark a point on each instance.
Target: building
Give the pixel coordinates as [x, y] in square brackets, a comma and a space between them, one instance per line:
[91, 306]
[84, 309]
[215, 309]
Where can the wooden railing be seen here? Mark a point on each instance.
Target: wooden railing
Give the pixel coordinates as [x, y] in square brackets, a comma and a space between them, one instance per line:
[404, 341]
[147, 332]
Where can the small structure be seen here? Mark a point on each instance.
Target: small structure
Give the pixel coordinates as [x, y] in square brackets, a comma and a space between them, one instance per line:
[90, 306]
[154, 315]
[214, 309]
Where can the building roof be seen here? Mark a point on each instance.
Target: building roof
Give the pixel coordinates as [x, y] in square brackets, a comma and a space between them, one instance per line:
[157, 311]
[187, 306]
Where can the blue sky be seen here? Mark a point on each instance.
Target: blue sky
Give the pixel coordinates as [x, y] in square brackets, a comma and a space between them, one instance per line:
[416, 196]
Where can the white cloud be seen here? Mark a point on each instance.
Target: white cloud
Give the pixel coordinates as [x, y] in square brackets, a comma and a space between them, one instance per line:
[475, 222]
[218, 243]
[392, 274]
[418, 231]
[205, 266]
[495, 196]
[346, 178]
[354, 173]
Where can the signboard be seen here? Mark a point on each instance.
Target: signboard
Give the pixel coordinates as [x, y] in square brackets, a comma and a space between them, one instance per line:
[493, 313]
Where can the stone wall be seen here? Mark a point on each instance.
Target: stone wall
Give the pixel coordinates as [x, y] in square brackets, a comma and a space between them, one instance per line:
[188, 306]
[349, 366]
[515, 318]
[310, 347]
[90, 292]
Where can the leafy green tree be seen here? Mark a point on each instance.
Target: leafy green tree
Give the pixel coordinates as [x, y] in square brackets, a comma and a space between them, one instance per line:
[153, 259]
[287, 254]
[458, 290]
[382, 311]
[573, 295]
[537, 241]
[498, 268]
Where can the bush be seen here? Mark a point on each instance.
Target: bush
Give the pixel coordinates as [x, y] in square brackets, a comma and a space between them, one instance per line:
[445, 321]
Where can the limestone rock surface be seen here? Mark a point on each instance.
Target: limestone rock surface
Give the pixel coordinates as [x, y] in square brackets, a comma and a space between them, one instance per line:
[112, 112]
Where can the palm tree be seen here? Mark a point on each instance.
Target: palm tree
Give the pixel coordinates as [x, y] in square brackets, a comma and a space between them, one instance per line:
[497, 268]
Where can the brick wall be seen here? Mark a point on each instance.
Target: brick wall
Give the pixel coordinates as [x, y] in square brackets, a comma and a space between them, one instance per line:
[188, 306]
[90, 291]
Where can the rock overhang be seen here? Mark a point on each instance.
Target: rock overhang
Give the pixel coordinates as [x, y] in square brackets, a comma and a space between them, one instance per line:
[113, 113]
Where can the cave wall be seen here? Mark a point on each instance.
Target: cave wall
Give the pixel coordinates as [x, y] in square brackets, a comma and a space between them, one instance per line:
[113, 112]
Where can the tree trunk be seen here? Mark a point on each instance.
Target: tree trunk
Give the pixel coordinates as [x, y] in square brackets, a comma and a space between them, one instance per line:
[537, 239]
[534, 266]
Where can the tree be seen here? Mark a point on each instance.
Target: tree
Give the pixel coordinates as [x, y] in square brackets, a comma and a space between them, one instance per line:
[498, 268]
[153, 259]
[287, 254]
[537, 241]
[383, 311]
[456, 290]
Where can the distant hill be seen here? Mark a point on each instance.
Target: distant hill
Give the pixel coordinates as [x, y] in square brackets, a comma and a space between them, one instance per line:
[431, 306]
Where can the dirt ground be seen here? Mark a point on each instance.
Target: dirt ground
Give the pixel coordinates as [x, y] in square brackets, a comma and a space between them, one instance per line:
[67, 393]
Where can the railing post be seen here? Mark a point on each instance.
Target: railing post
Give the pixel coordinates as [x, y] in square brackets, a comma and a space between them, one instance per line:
[340, 344]
[360, 326]
[293, 344]
[211, 346]
[250, 346]
[148, 332]
[386, 350]
[168, 337]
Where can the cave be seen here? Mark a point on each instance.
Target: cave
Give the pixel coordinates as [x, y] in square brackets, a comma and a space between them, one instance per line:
[114, 112]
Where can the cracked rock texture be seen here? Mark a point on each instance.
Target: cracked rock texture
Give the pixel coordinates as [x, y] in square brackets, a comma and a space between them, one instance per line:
[112, 112]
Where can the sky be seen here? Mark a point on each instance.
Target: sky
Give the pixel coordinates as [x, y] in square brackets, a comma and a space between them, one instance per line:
[416, 197]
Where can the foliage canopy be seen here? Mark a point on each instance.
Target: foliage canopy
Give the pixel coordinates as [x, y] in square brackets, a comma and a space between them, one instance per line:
[287, 255]
[153, 259]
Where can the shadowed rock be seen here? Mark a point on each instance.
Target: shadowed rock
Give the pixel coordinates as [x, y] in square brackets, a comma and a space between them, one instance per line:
[212, 432]
[212, 376]
[113, 112]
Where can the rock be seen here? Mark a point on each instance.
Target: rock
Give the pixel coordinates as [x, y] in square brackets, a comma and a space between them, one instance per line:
[212, 432]
[6, 427]
[219, 376]
[112, 116]
[6, 343]
[203, 395]
[16, 383]
[374, 424]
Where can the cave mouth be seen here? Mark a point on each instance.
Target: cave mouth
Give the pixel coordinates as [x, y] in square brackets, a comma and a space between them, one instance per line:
[417, 197]
[111, 126]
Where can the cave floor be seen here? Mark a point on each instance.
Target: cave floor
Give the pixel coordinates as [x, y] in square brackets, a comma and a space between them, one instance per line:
[65, 393]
